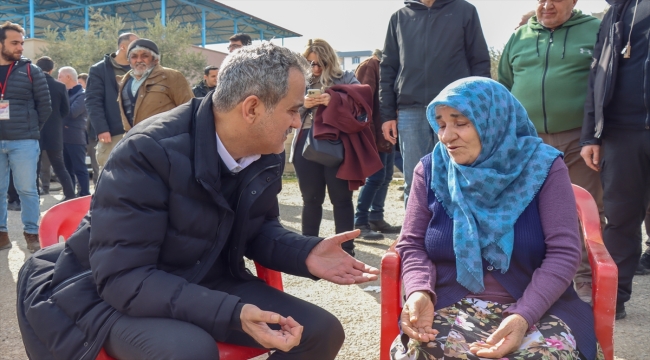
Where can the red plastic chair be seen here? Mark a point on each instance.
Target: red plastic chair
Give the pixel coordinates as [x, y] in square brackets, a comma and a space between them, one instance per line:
[63, 219]
[604, 283]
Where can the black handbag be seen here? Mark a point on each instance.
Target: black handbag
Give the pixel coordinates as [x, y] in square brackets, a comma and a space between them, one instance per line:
[325, 152]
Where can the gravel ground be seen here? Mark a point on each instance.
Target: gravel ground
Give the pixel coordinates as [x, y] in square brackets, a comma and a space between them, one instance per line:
[358, 310]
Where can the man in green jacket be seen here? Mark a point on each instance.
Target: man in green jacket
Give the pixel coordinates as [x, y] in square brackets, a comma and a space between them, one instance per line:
[546, 67]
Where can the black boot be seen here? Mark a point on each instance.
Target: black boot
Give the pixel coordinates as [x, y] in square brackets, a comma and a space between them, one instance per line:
[367, 234]
[384, 227]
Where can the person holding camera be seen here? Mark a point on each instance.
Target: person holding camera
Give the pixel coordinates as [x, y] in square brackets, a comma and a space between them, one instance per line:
[315, 178]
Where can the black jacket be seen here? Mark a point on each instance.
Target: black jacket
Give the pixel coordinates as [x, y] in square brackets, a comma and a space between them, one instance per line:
[74, 124]
[29, 102]
[201, 89]
[159, 224]
[101, 98]
[618, 93]
[426, 49]
[52, 131]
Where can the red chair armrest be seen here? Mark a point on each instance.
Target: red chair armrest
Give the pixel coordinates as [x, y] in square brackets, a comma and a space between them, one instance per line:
[603, 269]
[390, 300]
[271, 277]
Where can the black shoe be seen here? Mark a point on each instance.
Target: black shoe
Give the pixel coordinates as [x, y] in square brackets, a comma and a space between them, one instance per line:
[620, 311]
[384, 227]
[13, 206]
[645, 260]
[641, 270]
[45, 191]
[367, 234]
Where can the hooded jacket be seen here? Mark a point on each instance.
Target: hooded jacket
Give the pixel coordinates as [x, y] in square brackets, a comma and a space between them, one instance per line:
[426, 49]
[29, 102]
[162, 185]
[618, 94]
[548, 71]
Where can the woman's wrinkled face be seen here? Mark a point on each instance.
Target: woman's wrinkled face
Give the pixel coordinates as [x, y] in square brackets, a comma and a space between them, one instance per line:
[458, 135]
[316, 66]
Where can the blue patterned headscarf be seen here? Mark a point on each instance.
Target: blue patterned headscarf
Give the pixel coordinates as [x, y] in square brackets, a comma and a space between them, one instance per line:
[486, 198]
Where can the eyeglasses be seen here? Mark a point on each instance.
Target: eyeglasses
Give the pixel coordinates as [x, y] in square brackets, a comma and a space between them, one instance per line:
[232, 47]
[314, 64]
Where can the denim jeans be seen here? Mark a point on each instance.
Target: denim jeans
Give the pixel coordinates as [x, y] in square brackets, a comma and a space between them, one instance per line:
[416, 139]
[370, 205]
[74, 156]
[21, 157]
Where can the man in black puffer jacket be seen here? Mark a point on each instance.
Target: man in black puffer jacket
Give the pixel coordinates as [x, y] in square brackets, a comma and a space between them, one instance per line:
[156, 269]
[24, 108]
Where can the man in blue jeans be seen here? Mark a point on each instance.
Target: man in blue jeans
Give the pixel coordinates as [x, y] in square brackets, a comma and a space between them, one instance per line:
[369, 217]
[429, 44]
[24, 108]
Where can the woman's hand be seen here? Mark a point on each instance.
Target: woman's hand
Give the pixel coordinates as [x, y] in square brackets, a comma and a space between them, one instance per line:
[323, 99]
[417, 317]
[310, 102]
[505, 340]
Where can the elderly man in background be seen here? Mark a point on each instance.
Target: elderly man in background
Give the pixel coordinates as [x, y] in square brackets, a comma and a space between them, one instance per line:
[101, 95]
[208, 83]
[550, 80]
[74, 131]
[369, 216]
[149, 89]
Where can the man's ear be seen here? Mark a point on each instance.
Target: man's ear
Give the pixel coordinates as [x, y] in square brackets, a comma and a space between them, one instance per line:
[251, 109]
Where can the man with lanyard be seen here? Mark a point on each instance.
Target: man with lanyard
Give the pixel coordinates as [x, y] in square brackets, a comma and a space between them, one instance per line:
[24, 108]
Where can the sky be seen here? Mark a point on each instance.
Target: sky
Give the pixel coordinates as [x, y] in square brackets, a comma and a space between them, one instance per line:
[353, 25]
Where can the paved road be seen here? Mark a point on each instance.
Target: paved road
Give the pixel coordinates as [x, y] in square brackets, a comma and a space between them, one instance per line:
[357, 309]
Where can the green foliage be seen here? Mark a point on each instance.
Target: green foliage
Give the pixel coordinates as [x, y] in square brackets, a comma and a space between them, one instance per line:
[495, 56]
[81, 49]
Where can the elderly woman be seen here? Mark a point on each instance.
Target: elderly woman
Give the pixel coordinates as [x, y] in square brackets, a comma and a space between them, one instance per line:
[490, 241]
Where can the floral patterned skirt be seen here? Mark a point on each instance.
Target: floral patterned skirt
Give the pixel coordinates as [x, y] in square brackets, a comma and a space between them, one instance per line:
[472, 320]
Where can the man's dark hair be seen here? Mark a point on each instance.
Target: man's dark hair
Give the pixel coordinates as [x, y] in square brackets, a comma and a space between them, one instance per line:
[45, 63]
[245, 39]
[124, 37]
[209, 68]
[8, 25]
[83, 76]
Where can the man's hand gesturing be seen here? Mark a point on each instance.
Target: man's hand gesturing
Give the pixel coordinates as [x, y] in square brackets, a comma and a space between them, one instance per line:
[255, 322]
[328, 261]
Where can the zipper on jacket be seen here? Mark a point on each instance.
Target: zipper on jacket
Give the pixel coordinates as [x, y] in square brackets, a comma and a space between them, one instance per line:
[214, 244]
[90, 347]
[69, 280]
[645, 89]
[242, 193]
[548, 50]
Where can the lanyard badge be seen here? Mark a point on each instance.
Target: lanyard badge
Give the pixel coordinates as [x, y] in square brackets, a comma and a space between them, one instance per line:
[4, 109]
[4, 104]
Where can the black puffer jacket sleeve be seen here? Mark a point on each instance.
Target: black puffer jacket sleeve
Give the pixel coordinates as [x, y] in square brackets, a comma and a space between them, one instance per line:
[589, 120]
[41, 95]
[126, 240]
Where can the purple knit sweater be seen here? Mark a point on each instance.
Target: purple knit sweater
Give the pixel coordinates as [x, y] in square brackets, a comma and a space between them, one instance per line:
[559, 222]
